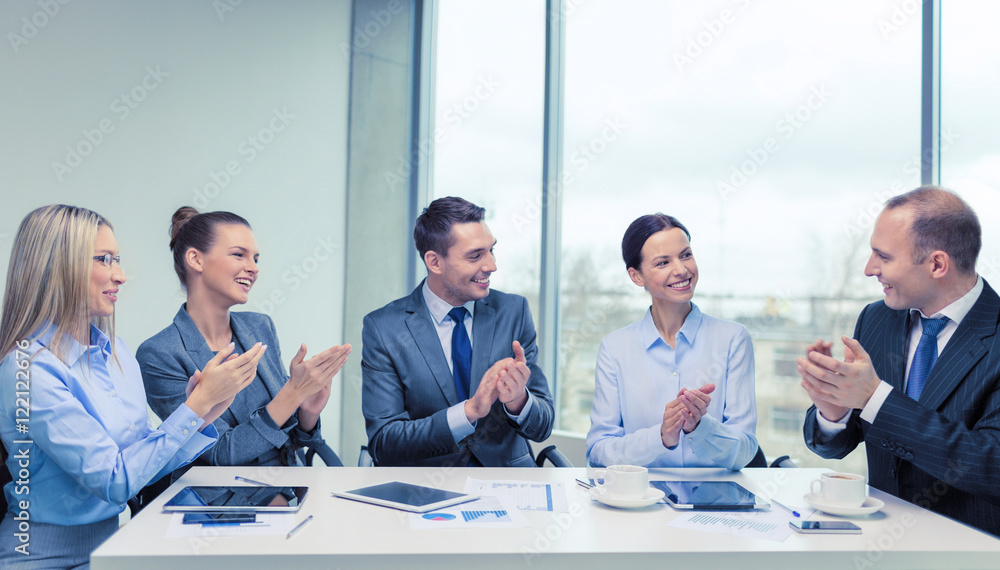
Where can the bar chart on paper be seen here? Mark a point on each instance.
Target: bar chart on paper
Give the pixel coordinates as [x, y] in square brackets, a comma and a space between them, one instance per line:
[484, 516]
[485, 512]
[767, 525]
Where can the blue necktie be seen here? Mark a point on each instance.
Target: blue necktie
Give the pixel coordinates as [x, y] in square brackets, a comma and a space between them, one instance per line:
[461, 352]
[925, 357]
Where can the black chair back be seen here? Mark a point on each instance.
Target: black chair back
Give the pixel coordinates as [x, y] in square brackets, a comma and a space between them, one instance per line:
[5, 478]
[758, 460]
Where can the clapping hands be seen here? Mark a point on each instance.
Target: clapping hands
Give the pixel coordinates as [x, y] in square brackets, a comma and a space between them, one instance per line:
[506, 381]
[684, 413]
[211, 390]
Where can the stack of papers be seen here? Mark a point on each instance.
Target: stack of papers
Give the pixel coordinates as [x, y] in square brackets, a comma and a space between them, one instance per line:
[525, 495]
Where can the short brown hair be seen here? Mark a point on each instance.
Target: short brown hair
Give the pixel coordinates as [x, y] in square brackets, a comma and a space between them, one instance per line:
[941, 222]
[432, 231]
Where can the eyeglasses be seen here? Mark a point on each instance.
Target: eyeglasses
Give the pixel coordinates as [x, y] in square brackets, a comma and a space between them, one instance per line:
[107, 259]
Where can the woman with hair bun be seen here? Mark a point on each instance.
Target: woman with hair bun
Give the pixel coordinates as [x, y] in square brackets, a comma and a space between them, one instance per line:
[72, 406]
[675, 389]
[215, 258]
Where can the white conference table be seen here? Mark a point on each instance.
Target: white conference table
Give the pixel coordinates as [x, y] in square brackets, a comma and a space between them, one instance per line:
[348, 534]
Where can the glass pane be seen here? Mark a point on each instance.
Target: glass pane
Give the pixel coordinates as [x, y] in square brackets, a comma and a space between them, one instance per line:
[774, 131]
[488, 126]
[970, 87]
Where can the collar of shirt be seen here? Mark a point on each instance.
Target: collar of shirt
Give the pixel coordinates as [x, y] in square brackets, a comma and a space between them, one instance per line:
[439, 308]
[956, 311]
[75, 350]
[689, 330]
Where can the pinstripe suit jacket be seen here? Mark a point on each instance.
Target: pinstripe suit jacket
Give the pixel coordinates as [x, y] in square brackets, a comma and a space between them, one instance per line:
[943, 451]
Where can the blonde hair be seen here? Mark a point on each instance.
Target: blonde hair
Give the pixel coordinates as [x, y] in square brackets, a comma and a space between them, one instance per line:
[48, 280]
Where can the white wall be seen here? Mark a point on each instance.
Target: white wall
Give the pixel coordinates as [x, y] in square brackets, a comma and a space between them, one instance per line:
[157, 99]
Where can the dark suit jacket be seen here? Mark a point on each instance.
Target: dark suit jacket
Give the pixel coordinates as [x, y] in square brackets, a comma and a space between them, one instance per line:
[247, 434]
[407, 385]
[943, 452]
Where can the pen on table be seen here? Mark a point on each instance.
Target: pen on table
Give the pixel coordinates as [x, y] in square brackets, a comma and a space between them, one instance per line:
[298, 527]
[251, 481]
[584, 484]
[787, 508]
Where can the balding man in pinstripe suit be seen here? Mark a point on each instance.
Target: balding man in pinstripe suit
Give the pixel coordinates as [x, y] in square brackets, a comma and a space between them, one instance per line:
[920, 383]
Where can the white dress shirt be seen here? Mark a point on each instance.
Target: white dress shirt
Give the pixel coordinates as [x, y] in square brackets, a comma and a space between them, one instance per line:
[955, 312]
[438, 310]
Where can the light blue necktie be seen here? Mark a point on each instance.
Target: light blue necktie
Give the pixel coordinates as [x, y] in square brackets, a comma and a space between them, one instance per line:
[461, 352]
[925, 357]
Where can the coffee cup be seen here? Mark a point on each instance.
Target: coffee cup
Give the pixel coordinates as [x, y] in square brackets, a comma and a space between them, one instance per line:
[623, 481]
[840, 489]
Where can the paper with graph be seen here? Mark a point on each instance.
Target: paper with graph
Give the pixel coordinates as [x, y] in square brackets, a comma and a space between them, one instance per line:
[486, 512]
[525, 495]
[754, 524]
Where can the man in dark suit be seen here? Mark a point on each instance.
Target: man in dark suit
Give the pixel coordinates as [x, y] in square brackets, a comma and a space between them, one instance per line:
[449, 373]
[920, 384]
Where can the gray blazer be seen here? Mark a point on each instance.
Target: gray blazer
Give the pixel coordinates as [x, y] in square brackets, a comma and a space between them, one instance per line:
[247, 434]
[407, 385]
[943, 452]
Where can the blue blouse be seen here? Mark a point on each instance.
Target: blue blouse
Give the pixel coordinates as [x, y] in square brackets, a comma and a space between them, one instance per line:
[638, 373]
[86, 446]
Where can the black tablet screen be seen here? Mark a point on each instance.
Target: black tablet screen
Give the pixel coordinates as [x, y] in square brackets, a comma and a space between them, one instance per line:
[707, 495]
[406, 494]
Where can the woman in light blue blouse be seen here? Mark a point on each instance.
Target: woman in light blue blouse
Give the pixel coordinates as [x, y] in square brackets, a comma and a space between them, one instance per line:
[675, 389]
[73, 419]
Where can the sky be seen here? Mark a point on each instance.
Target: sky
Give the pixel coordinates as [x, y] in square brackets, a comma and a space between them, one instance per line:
[773, 129]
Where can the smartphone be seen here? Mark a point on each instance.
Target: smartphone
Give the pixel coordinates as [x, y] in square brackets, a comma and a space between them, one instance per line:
[219, 518]
[825, 527]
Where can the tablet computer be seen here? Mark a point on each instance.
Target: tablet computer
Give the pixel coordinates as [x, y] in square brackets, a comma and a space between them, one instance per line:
[709, 495]
[235, 499]
[406, 497]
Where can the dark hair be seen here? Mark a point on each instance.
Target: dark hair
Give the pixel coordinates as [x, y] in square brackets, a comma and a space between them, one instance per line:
[941, 222]
[190, 229]
[640, 230]
[432, 232]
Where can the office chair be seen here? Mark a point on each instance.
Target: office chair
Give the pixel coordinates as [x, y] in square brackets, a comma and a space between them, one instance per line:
[5, 477]
[550, 454]
[148, 493]
[326, 453]
[365, 458]
[553, 456]
[760, 461]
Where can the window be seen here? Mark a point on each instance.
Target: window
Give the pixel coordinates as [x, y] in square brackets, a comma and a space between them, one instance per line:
[488, 126]
[773, 131]
[970, 87]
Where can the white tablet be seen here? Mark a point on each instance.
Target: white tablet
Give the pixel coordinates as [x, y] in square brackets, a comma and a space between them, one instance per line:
[235, 499]
[406, 497]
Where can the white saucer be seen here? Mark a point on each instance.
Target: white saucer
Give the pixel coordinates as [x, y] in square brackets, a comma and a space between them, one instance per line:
[652, 495]
[871, 505]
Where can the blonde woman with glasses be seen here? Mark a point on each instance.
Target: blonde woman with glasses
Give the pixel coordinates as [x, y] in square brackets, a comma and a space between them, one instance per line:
[73, 417]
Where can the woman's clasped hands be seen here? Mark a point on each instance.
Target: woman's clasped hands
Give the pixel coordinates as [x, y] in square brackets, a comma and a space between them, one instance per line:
[684, 413]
